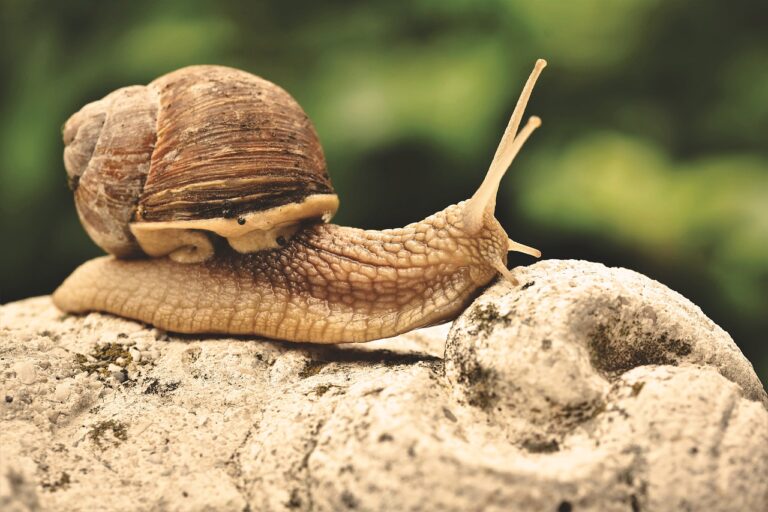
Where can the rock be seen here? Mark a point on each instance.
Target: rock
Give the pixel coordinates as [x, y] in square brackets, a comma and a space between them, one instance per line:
[584, 388]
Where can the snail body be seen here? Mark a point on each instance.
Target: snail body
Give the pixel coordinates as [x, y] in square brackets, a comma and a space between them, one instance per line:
[294, 278]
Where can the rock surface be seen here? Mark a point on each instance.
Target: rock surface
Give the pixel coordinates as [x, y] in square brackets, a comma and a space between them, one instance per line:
[584, 388]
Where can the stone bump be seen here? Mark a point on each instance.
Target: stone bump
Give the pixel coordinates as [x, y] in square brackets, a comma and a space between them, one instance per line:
[585, 388]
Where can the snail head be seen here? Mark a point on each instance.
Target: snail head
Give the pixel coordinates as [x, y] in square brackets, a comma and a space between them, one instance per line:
[479, 210]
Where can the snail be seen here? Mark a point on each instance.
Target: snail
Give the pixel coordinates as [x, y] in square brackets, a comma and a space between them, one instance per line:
[209, 189]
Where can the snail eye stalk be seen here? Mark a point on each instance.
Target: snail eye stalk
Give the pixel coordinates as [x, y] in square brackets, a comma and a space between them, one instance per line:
[484, 199]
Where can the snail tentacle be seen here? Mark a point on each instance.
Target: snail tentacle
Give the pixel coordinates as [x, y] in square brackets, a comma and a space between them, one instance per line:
[483, 201]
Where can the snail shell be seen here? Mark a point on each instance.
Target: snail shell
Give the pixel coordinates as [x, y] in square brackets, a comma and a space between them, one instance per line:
[204, 149]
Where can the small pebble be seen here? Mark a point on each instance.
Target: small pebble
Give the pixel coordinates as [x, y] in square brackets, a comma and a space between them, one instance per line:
[26, 372]
[132, 372]
[62, 392]
[117, 372]
[154, 458]
[135, 354]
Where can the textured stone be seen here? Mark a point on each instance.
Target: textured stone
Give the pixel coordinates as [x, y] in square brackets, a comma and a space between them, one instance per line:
[585, 388]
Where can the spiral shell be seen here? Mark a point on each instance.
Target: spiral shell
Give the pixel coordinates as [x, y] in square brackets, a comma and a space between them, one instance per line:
[204, 149]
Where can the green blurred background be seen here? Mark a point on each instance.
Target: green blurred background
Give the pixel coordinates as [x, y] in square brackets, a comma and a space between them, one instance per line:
[652, 156]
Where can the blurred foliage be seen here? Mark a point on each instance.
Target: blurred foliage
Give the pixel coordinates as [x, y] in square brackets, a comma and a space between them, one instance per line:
[653, 154]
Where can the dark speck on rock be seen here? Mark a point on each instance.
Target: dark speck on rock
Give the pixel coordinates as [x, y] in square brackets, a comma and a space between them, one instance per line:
[349, 500]
[155, 387]
[295, 500]
[541, 445]
[312, 368]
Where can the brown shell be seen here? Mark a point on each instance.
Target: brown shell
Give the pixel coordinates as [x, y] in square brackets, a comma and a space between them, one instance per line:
[229, 143]
[108, 148]
[202, 142]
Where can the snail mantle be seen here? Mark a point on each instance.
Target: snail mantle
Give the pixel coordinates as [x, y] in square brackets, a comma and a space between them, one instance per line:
[583, 388]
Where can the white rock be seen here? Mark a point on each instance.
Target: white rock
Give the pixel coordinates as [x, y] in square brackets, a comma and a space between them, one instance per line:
[62, 391]
[135, 354]
[117, 372]
[584, 389]
[26, 372]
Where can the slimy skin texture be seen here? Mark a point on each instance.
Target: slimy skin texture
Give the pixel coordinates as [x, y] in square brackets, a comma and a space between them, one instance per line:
[328, 284]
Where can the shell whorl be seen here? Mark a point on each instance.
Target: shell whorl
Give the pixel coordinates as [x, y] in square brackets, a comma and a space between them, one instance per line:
[201, 143]
[229, 143]
[108, 145]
